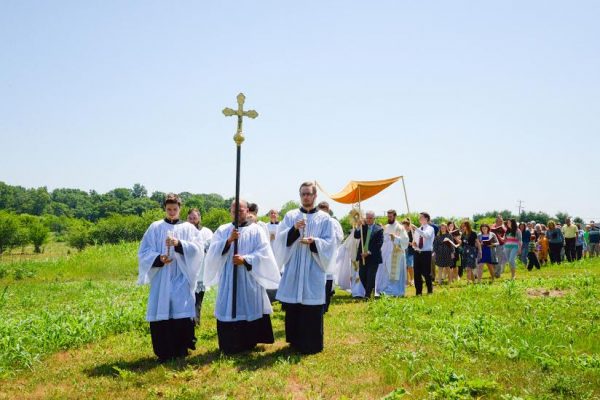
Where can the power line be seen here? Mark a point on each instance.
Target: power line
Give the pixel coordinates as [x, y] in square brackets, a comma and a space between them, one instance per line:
[520, 205]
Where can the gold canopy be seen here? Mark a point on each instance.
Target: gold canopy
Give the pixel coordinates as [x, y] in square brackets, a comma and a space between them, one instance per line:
[357, 191]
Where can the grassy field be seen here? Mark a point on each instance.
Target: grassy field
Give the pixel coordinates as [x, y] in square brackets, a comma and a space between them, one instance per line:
[72, 327]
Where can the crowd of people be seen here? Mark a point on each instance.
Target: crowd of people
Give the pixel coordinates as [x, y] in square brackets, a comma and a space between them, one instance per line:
[299, 260]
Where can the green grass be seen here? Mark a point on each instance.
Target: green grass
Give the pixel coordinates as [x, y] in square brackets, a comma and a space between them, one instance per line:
[52, 305]
[73, 327]
[50, 250]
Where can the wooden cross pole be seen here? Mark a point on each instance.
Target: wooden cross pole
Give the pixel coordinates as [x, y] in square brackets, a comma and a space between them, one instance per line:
[238, 138]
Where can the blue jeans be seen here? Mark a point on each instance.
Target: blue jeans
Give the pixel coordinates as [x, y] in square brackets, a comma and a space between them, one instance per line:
[511, 256]
[524, 259]
[410, 260]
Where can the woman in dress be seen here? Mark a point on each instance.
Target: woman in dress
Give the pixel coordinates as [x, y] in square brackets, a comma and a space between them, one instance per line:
[455, 270]
[443, 247]
[471, 248]
[487, 255]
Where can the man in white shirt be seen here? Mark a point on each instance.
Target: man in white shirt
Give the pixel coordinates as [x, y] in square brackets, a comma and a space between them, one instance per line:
[423, 244]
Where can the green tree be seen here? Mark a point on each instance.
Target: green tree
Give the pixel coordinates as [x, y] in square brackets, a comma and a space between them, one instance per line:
[158, 197]
[486, 220]
[118, 228]
[506, 214]
[120, 194]
[290, 205]
[21, 238]
[561, 217]
[57, 225]
[139, 191]
[539, 217]
[79, 235]
[215, 217]
[8, 230]
[346, 224]
[38, 235]
[137, 206]
[39, 200]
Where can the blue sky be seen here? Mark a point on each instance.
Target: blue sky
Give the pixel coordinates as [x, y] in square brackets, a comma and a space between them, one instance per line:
[478, 104]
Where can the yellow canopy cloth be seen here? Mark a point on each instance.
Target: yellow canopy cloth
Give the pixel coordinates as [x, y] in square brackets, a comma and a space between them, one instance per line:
[357, 191]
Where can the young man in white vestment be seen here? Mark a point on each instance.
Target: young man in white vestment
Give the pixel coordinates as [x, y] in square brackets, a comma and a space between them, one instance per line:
[305, 247]
[195, 218]
[170, 257]
[273, 224]
[256, 271]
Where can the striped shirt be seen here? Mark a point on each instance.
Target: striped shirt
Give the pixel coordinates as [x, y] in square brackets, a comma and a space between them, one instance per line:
[512, 240]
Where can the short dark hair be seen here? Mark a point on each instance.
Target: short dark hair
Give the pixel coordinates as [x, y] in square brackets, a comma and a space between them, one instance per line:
[253, 208]
[172, 198]
[323, 205]
[309, 184]
[426, 215]
[392, 211]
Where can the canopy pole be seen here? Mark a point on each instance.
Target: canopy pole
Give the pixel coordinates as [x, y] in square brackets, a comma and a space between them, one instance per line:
[405, 197]
[362, 240]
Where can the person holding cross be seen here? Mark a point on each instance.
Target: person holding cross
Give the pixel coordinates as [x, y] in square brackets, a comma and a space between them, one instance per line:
[256, 271]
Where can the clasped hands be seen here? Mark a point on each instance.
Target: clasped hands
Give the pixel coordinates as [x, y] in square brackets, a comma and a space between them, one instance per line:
[170, 242]
[237, 259]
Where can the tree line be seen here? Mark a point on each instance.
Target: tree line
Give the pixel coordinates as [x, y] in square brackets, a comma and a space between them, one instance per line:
[33, 216]
[92, 206]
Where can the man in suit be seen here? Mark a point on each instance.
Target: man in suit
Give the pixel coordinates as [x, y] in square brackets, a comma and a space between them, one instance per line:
[369, 256]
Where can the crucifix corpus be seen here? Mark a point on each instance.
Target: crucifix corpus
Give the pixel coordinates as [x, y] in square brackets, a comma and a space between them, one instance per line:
[238, 138]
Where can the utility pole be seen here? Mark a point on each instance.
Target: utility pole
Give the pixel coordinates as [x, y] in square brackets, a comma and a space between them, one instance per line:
[520, 206]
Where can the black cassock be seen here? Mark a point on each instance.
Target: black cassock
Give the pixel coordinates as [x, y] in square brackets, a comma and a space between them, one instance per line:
[304, 327]
[238, 336]
[172, 338]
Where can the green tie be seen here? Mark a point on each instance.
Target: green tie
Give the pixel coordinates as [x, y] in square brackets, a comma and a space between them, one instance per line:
[368, 237]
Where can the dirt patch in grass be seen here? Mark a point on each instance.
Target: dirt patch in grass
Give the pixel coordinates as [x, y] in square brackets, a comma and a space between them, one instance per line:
[295, 388]
[540, 292]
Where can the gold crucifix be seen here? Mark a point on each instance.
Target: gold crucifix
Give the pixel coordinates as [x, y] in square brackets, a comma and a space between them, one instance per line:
[238, 138]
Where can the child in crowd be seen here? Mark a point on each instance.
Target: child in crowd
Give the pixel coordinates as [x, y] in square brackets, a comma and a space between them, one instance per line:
[544, 246]
[531, 255]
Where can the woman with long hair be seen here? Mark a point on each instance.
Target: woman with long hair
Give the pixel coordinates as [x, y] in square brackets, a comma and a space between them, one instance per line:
[471, 250]
[410, 253]
[443, 247]
[513, 243]
[487, 255]
[455, 270]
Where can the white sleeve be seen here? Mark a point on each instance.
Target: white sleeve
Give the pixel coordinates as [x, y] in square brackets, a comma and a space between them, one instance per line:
[264, 267]
[214, 260]
[147, 253]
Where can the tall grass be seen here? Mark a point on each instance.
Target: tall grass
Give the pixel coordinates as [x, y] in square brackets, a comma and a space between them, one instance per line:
[47, 306]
